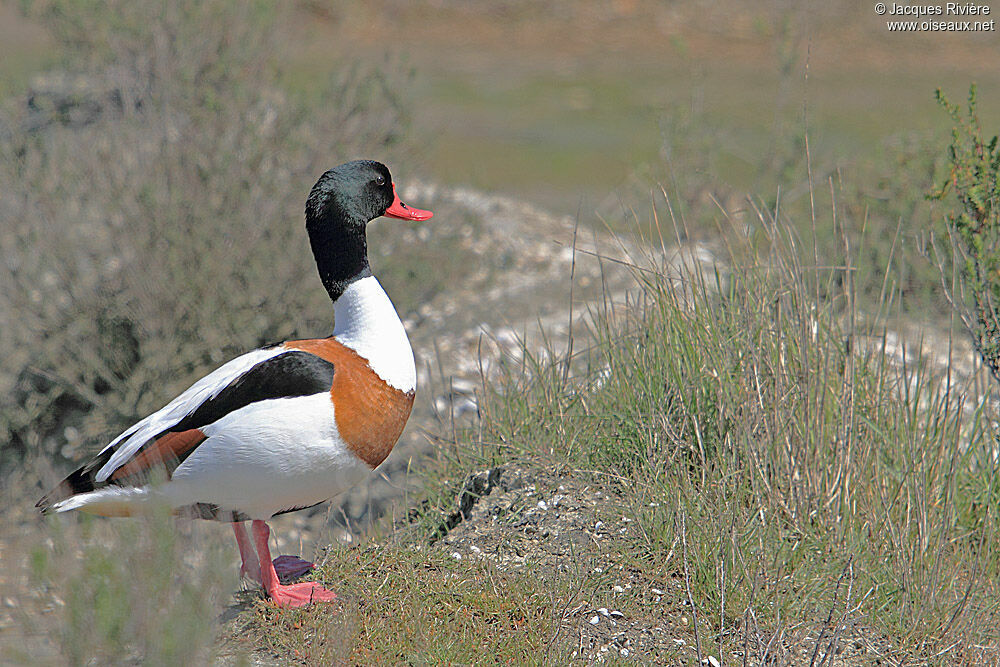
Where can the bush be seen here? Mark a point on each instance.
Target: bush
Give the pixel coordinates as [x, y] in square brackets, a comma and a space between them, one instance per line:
[151, 209]
[974, 230]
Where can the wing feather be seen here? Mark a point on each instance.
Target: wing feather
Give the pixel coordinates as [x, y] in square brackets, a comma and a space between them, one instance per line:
[205, 389]
[164, 439]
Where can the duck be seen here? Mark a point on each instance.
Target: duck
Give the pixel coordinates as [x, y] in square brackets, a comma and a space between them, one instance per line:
[284, 427]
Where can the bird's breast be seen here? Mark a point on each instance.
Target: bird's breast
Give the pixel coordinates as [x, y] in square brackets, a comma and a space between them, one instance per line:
[369, 413]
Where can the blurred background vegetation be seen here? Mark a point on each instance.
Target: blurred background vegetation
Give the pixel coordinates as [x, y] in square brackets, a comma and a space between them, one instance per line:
[155, 157]
[154, 176]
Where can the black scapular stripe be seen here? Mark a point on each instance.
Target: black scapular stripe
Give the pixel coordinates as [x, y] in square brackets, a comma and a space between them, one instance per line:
[294, 373]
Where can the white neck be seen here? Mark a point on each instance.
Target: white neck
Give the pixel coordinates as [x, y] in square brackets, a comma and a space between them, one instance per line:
[366, 322]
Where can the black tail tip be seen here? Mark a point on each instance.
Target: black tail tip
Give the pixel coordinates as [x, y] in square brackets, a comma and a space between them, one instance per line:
[44, 505]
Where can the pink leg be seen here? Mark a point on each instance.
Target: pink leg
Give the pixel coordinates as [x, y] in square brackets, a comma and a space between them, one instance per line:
[249, 568]
[287, 567]
[292, 595]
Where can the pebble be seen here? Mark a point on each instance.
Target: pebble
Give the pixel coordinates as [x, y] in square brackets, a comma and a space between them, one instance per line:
[542, 505]
[711, 661]
[462, 386]
[595, 620]
[456, 555]
[618, 589]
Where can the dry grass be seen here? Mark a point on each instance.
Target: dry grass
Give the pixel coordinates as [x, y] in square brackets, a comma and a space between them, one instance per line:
[401, 604]
[79, 590]
[818, 487]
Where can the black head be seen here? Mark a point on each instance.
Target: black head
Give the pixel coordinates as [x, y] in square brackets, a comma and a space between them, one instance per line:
[340, 206]
[353, 194]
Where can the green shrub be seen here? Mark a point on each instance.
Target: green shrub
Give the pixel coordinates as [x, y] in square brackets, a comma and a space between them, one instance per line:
[974, 229]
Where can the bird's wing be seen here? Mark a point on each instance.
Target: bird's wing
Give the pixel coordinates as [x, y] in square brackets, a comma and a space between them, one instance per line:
[169, 435]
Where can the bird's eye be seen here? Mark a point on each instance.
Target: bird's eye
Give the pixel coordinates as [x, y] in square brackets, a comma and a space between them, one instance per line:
[380, 180]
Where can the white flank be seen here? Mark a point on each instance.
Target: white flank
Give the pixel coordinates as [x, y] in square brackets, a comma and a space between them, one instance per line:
[366, 322]
[270, 456]
[204, 389]
[264, 458]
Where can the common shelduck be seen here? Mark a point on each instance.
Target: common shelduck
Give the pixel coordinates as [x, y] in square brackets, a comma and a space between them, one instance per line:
[283, 427]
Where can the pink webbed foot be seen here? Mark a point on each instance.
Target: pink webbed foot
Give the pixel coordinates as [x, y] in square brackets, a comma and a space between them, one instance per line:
[300, 595]
[289, 568]
[285, 595]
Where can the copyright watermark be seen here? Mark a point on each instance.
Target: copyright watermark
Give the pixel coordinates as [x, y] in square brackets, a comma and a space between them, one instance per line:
[943, 17]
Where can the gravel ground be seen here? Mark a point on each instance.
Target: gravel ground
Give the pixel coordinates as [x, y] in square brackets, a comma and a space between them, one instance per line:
[557, 524]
